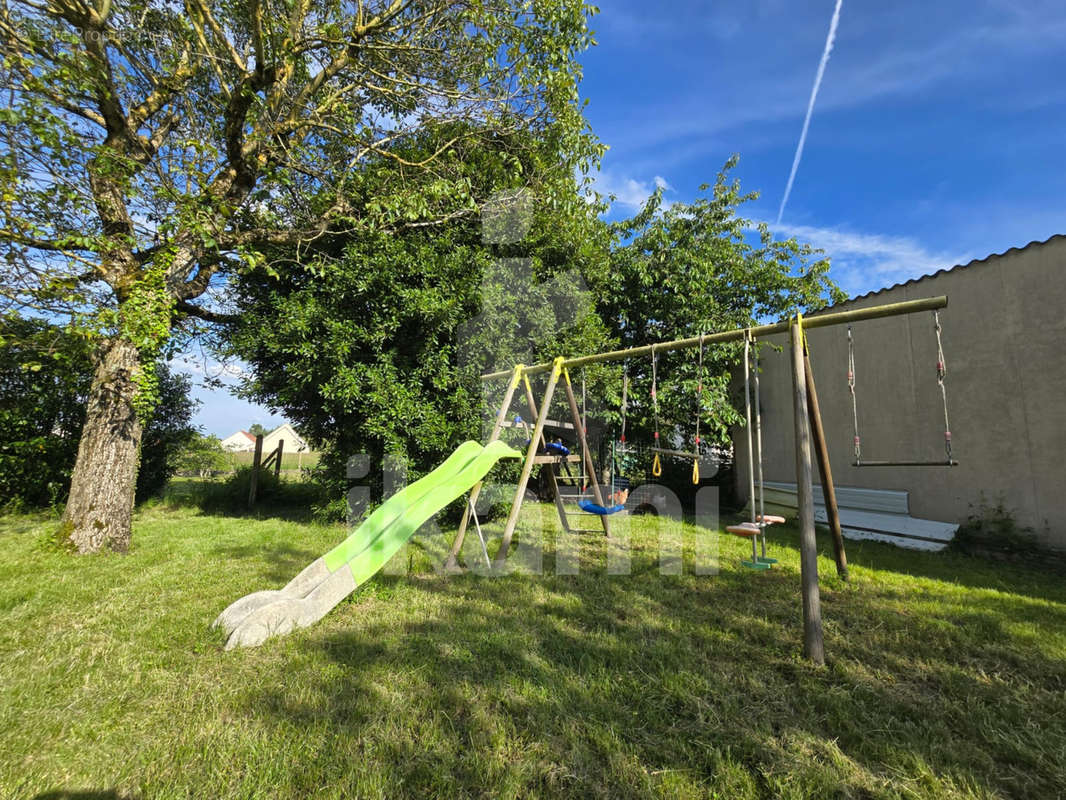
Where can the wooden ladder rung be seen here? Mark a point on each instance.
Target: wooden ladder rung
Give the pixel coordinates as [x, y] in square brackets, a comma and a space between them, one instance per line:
[572, 458]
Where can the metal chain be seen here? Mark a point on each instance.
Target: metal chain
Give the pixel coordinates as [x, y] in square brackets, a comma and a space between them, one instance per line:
[854, 402]
[757, 402]
[751, 435]
[655, 392]
[656, 464]
[699, 395]
[584, 408]
[699, 413]
[625, 391]
[941, 371]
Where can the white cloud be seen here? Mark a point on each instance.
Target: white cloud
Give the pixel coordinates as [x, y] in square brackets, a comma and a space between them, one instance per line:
[628, 192]
[864, 262]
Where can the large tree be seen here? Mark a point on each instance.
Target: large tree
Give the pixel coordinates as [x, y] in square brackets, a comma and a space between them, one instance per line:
[151, 147]
[383, 354]
[691, 268]
[374, 342]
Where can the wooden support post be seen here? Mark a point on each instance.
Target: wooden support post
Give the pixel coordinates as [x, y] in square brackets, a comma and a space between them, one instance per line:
[813, 647]
[587, 463]
[821, 450]
[552, 480]
[280, 453]
[527, 465]
[453, 556]
[253, 480]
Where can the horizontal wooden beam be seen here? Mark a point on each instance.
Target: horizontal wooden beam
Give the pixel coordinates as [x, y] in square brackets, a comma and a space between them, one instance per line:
[573, 458]
[548, 423]
[819, 320]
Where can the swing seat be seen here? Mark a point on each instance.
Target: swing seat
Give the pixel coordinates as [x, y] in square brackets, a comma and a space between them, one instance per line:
[557, 449]
[770, 519]
[596, 508]
[746, 529]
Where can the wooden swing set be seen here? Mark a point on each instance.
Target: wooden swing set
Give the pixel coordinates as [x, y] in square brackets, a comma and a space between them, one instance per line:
[807, 425]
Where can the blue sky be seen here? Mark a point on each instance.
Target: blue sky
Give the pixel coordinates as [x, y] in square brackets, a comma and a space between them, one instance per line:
[938, 136]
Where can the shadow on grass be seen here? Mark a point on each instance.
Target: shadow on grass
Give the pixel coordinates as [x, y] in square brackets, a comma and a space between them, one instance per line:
[290, 501]
[948, 565]
[608, 686]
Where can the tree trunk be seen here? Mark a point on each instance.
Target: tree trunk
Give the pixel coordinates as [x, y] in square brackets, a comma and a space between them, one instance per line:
[99, 512]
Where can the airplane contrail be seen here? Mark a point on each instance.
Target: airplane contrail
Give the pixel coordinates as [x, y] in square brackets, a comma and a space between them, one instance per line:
[810, 105]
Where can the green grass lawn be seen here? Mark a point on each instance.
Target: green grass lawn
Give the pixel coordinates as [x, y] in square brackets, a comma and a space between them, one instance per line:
[946, 675]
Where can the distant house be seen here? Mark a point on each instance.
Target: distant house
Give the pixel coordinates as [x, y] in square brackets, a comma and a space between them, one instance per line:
[239, 442]
[294, 443]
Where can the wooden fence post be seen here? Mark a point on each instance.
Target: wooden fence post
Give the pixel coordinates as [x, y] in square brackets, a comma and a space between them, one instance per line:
[253, 481]
[813, 646]
[280, 453]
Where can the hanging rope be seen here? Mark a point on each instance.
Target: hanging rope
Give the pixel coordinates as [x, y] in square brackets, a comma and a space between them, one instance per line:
[584, 412]
[699, 413]
[617, 448]
[854, 402]
[749, 428]
[656, 464]
[584, 430]
[757, 403]
[941, 371]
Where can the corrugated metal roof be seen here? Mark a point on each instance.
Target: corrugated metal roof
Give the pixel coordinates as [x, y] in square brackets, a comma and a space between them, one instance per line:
[952, 269]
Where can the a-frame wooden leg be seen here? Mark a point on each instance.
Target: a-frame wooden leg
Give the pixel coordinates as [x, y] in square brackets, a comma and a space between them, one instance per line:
[552, 482]
[501, 416]
[589, 465]
[527, 465]
[821, 450]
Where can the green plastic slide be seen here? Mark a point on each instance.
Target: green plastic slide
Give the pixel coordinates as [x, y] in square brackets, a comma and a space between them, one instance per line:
[439, 493]
[325, 582]
[387, 512]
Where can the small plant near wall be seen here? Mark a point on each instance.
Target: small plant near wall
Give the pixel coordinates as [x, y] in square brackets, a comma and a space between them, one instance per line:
[992, 531]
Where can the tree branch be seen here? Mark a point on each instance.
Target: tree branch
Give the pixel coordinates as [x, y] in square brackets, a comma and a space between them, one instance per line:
[235, 57]
[168, 88]
[188, 309]
[49, 245]
[196, 286]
